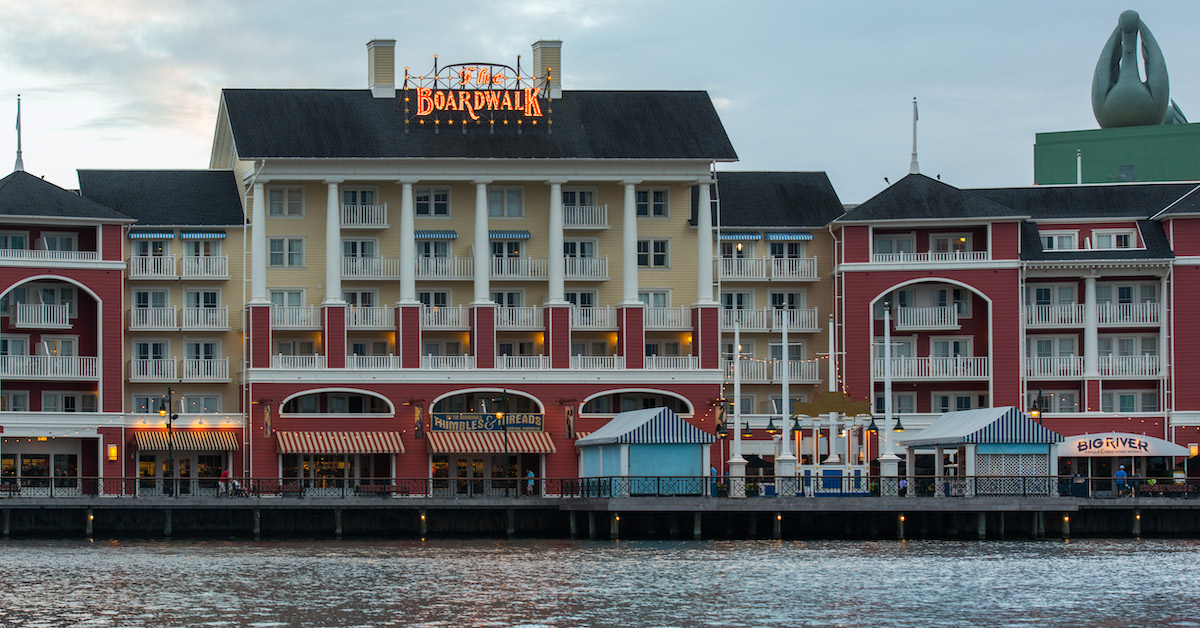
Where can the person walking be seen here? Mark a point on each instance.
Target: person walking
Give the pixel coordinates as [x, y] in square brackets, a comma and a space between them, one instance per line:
[1120, 476]
[223, 483]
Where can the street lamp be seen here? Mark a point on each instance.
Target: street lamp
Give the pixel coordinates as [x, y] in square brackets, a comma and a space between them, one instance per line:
[1035, 412]
[164, 410]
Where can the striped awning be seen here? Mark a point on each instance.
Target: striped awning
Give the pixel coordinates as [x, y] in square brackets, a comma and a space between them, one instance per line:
[739, 236]
[186, 440]
[1005, 424]
[788, 236]
[151, 235]
[218, 234]
[657, 426]
[489, 443]
[339, 443]
[435, 234]
[509, 234]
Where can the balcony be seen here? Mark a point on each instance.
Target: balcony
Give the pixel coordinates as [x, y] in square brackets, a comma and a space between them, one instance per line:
[1127, 366]
[370, 318]
[671, 363]
[771, 319]
[364, 216]
[204, 267]
[758, 268]
[1067, 366]
[372, 362]
[604, 318]
[523, 362]
[529, 318]
[37, 255]
[668, 318]
[930, 368]
[598, 362]
[202, 370]
[306, 362]
[1060, 315]
[448, 362]
[212, 318]
[455, 268]
[944, 317]
[453, 317]
[152, 267]
[798, 320]
[585, 216]
[1128, 314]
[152, 370]
[152, 318]
[31, 316]
[370, 268]
[295, 317]
[772, 371]
[586, 268]
[48, 367]
[931, 256]
[519, 268]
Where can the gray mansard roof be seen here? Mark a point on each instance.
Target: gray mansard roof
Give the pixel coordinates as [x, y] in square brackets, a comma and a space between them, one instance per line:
[774, 199]
[917, 197]
[348, 124]
[167, 197]
[1112, 200]
[22, 194]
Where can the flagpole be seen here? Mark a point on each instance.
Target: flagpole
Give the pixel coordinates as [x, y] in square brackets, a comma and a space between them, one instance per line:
[20, 165]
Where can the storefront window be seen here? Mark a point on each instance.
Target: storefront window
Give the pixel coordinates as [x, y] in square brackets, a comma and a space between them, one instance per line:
[35, 466]
[8, 467]
[66, 470]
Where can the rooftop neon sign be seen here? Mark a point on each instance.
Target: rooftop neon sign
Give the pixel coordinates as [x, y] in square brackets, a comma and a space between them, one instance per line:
[469, 93]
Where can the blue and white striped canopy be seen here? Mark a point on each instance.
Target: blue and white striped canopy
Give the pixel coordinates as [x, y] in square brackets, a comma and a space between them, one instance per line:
[508, 234]
[203, 235]
[657, 426]
[738, 236]
[435, 234]
[151, 235]
[788, 236]
[1005, 424]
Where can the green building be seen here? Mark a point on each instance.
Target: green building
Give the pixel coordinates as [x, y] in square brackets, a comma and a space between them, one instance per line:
[1166, 152]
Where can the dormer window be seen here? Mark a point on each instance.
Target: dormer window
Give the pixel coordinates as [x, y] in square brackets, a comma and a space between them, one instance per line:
[1059, 240]
[1114, 239]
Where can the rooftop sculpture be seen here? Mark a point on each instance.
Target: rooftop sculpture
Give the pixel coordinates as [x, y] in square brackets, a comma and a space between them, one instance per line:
[1119, 96]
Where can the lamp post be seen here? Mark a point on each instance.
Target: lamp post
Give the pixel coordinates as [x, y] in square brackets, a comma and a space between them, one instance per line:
[889, 463]
[165, 411]
[737, 464]
[504, 426]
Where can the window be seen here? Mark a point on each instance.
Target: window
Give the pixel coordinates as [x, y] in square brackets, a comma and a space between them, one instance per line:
[737, 250]
[787, 250]
[950, 242]
[359, 298]
[14, 401]
[358, 248]
[1059, 240]
[506, 202]
[1125, 172]
[894, 244]
[576, 197]
[150, 350]
[787, 300]
[902, 403]
[653, 253]
[295, 347]
[286, 252]
[1052, 294]
[901, 348]
[651, 203]
[583, 298]
[369, 347]
[202, 248]
[56, 401]
[1109, 293]
[431, 201]
[287, 298]
[201, 298]
[58, 295]
[727, 352]
[957, 402]
[509, 299]
[662, 348]
[285, 201]
[439, 347]
[943, 297]
[52, 241]
[359, 196]
[201, 404]
[16, 295]
[434, 298]
[950, 347]
[1129, 401]
[14, 240]
[202, 350]
[655, 298]
[14, 345]
[775, 403]
[795, 351]
[579, 249]
[1055, 401]
[506, 248]
[150, 248]
[737, 300]
[433, 248]
[898, 299]
[1113, 239]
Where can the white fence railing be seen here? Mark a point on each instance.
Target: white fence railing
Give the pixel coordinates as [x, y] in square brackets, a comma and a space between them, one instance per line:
[451, 317]
[668, 318]
[526, 317]
[523, 362]
[1054, 366]
[585, 216]
[280, 361]
[793, 268]
[448, 362]
[48, 367]
[370, 317]
[750, 320]
[801, 320]
[364, 216]
[370, 267]
[36, 315]
[598, 362]
[295, 317]
[202, 267]
[752, 370]
[672, 363]
[205, 318]
[375, 362]
[39, 255]
[936, 317]
[1066, 314]
[202, 369]
[764, 371]
[445, 268]
[593, 318]
[152, 317]
[141, 266]
[585, 268]
[519, 268]
[1130, 365]
[148, 369]
[1128, 313]
[742, 267]
[931, 256]
[974, 367]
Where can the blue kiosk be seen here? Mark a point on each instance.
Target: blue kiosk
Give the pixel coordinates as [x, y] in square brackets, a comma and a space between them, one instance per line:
[645, 452]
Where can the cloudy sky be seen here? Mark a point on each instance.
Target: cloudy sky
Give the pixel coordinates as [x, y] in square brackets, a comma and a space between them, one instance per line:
[800, 85]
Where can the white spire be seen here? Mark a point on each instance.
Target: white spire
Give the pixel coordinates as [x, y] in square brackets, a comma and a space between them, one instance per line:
[20, 165]
[913, 168]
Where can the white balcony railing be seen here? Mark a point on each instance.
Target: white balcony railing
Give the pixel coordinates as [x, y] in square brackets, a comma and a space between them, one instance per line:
[750, 320]
[151, 266]
[41, 316]
[754, 371]
[772, 371]
[1128, 313]
[205, 318]
[48, 367]
[963, 367]
[452, 317]
[372, 362]
[152, 318]
[295, 317]
[1118, 366]
[742, 267]
[1061, 314]
[668, 318]
[585, 216]
[593, 318]
[523, 362]
[1054, 366]
[671, 363]
[38, 255]
[280, 361]
[370, 267]
[586, 268]
[152, 370]
[598, 362]
[927, 318]
[519, 268]
[793, 268]
[445, 268]
[364, 216]
[204, 267]
[370, 317]
[527, 317]
[931, 256]
[448, 362]
[771, 319]
[801, 320]
[198, 369]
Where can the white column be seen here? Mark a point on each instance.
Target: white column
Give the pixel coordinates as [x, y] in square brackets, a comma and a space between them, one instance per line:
[333, 245]
[1162, 329]
[1091, 330]
[408, 244]
[889, 463]
[258, 246]
[629, 267]
[704, 245]
[737, 464]
[482, 244]
[556, 258]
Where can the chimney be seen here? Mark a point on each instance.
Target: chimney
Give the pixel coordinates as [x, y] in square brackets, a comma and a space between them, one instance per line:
[547, 61]
[381, 67]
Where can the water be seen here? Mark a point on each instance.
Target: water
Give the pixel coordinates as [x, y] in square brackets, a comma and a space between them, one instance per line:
[598, 583]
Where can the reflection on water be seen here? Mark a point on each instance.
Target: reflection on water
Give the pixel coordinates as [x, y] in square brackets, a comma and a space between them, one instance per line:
[597, 583]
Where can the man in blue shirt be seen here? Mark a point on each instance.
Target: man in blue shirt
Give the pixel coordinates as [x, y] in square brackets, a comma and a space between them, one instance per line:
[1120, 480]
